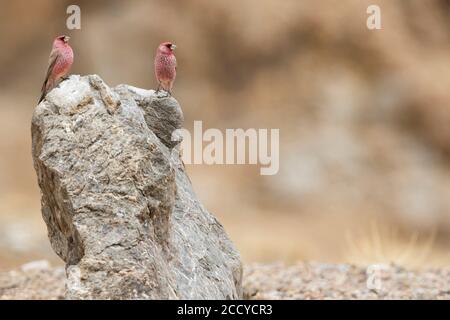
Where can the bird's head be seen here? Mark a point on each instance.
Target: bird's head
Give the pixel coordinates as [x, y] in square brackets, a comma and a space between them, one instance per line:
[166, 47]
[62, 39]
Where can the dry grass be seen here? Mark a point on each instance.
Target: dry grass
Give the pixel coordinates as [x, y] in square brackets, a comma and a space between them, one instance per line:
[386, 243]
[336, 239]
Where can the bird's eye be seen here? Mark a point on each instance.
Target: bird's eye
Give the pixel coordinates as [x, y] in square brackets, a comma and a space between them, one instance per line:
[168, 45]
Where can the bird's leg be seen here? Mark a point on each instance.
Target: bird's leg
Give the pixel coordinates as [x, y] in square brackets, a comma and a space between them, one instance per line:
[159, 87]
[61, 80]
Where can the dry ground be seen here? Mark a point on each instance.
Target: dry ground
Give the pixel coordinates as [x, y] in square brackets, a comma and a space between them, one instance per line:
[268, 281]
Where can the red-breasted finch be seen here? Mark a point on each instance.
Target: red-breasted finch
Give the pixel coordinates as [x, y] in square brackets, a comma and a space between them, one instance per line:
[59, 63]
[165, 66]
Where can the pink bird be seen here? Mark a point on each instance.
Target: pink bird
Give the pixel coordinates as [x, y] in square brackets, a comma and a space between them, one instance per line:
[165, 66]
[59, 63]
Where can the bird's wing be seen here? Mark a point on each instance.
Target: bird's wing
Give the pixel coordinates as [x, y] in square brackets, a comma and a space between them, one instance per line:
[51, 63]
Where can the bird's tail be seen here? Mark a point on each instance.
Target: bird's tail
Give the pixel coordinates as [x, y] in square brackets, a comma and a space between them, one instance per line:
[42, 96]
[44, 90]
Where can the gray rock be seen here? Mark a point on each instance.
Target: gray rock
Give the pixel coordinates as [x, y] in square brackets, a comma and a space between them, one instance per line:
[119, 207]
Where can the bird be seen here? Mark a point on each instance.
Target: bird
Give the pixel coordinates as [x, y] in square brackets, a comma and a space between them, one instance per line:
[165, 66]
[59, 63]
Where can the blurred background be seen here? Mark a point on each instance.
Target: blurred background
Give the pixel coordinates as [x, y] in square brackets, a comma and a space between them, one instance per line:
[364, 117]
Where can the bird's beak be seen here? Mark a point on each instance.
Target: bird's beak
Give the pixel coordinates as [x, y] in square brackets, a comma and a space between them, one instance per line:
[173, 47]
[66, 39]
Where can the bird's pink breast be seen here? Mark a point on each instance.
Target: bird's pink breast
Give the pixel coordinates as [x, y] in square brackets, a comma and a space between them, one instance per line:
[165, 67]
[64, 61]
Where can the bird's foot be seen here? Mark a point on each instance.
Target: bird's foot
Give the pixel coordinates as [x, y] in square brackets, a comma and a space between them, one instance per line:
[161, 93]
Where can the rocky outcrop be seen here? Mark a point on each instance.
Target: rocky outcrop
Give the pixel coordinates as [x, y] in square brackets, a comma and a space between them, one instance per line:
[119, 207]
